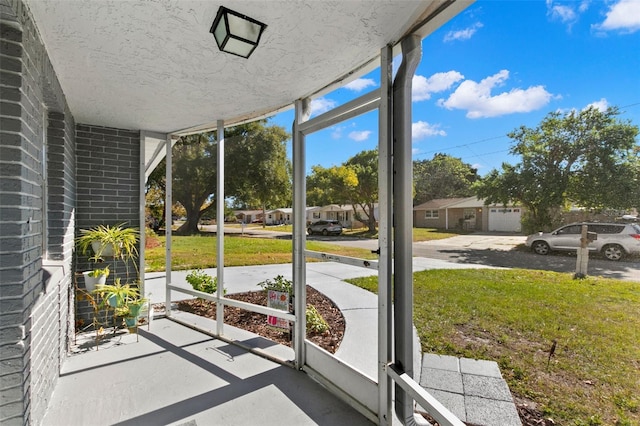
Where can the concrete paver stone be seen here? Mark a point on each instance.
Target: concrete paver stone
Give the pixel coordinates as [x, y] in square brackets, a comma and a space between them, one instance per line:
[442, 362]
[483, 411]
[449, 381]
[453, 401]
[486, 387]
[479, 367]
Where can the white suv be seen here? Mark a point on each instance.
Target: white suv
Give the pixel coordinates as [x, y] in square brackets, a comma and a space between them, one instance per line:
[614, 240]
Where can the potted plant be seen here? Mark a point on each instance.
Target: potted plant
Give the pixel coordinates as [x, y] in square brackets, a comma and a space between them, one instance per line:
[130, 311]
[95, 277]
[109, 240]
[117, 294]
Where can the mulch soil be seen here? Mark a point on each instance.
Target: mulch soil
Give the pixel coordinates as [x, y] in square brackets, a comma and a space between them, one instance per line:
[257, 323]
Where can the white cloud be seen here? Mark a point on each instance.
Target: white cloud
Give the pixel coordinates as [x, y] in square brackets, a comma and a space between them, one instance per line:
[320, 105]
[476, 98]
[423, 87]
[584, 5]
[568, 12]
[600, 105]
[623, 16]
[360, 136]
[336, 132]
[422, 129]
[360, 84]
[465, 34]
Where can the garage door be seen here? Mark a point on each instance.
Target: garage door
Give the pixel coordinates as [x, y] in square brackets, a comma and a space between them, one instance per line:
[505, 219]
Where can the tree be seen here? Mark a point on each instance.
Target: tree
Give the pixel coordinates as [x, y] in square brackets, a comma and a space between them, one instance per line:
[365, 194]
[259, 172]
[333, 185]
[155, 195]
[442, 177]
[355, 182]
[589, 158]
[194, 177]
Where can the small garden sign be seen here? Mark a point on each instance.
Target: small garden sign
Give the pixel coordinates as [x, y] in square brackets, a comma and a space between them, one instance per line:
[278, 300]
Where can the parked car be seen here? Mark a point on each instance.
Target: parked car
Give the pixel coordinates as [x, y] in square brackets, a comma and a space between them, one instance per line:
[325, 227]
[614, 240]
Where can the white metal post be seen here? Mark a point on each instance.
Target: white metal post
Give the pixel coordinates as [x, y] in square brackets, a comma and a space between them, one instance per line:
[168, 202]
[385, 186]
[142, 214]
[403, 222]
[299, 231]
[220, 227]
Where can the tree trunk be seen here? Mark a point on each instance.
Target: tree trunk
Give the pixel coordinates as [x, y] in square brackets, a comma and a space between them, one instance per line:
[191, 224]
[371, 223]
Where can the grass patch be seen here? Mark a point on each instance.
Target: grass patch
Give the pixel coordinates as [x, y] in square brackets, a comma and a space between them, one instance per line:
[514, 316]
[199, 251]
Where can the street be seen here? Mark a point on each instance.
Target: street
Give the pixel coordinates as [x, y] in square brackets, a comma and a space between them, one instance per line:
[503, 251]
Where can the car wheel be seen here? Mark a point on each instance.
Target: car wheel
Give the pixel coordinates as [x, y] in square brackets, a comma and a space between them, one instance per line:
[309, 231]
[540, 247]
[613, 252]
[325, 232]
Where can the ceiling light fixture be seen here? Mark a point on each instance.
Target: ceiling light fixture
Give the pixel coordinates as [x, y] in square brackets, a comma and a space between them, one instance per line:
[236, 33]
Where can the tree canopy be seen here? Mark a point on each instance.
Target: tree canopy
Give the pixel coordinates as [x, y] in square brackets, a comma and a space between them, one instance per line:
[589, 158]
[257, 172]
[443, 176]
[355, 182]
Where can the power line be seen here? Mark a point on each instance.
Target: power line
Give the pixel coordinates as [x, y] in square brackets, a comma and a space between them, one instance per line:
[465, 145]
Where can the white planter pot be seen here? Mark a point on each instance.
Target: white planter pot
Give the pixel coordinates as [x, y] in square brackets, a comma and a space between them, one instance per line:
[107, 249]
[91, 282]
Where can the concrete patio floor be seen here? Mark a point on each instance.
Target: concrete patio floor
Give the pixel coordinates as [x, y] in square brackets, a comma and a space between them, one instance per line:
[175, 375]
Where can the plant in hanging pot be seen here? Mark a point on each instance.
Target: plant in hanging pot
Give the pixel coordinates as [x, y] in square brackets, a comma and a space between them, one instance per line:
[95, 277]
[109, 240]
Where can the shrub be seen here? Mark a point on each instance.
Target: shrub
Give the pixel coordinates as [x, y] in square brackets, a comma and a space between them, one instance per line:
[315, 322]
[279, 283]
[201, 281]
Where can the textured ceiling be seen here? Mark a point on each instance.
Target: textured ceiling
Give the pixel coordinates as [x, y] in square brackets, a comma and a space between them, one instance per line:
[153, 65]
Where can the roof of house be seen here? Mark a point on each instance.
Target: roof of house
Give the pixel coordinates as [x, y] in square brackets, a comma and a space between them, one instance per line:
[247, 212]
[467, 203]
[438, 203]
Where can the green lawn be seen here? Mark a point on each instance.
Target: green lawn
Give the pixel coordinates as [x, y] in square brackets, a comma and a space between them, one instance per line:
[514, 316]
[199, 251]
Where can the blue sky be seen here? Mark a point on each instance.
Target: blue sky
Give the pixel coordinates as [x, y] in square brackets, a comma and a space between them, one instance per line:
[495, 67]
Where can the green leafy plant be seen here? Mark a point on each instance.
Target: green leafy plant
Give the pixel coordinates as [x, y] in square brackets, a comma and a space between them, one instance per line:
[122, 240]
[315, 322]
[99, 272]
[201, 281]
[130, 308]
[117, 294]
[279, 283]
